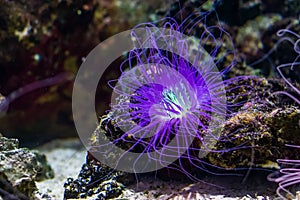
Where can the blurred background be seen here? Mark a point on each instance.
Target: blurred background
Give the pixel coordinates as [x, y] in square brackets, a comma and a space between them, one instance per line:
[40, 39]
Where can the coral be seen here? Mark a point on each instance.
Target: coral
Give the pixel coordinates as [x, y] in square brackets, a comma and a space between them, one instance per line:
[20, 168]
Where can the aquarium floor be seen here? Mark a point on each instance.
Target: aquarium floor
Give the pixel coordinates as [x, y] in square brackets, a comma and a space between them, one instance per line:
[67, 156]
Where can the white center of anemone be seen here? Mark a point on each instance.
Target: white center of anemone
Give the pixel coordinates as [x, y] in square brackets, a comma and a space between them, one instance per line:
[173, 105]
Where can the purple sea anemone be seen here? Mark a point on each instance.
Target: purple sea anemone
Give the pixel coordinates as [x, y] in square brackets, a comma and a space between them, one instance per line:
[170, 100]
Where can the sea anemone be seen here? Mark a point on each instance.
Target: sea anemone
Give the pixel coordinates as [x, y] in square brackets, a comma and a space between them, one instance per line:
[170, 101]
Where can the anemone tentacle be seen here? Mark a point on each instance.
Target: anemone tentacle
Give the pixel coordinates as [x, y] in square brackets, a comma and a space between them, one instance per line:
[289, 174]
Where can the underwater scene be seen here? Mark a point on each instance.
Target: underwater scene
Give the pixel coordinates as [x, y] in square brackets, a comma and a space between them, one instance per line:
[136, 99]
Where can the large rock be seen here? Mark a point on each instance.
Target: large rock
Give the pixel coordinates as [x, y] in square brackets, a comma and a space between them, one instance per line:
[19, 169]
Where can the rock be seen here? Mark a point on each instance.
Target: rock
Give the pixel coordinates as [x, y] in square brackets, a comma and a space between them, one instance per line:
[257, 131]
[248, 39]
[96, 180]
[257, 136]
[20, 168]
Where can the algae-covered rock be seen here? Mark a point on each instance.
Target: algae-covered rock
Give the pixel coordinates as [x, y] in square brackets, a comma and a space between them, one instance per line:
[258, 136]
[260, 127]
[249, 37]
[20, 168]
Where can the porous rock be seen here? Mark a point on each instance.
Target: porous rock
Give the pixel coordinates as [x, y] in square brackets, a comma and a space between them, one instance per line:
[19, 169]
